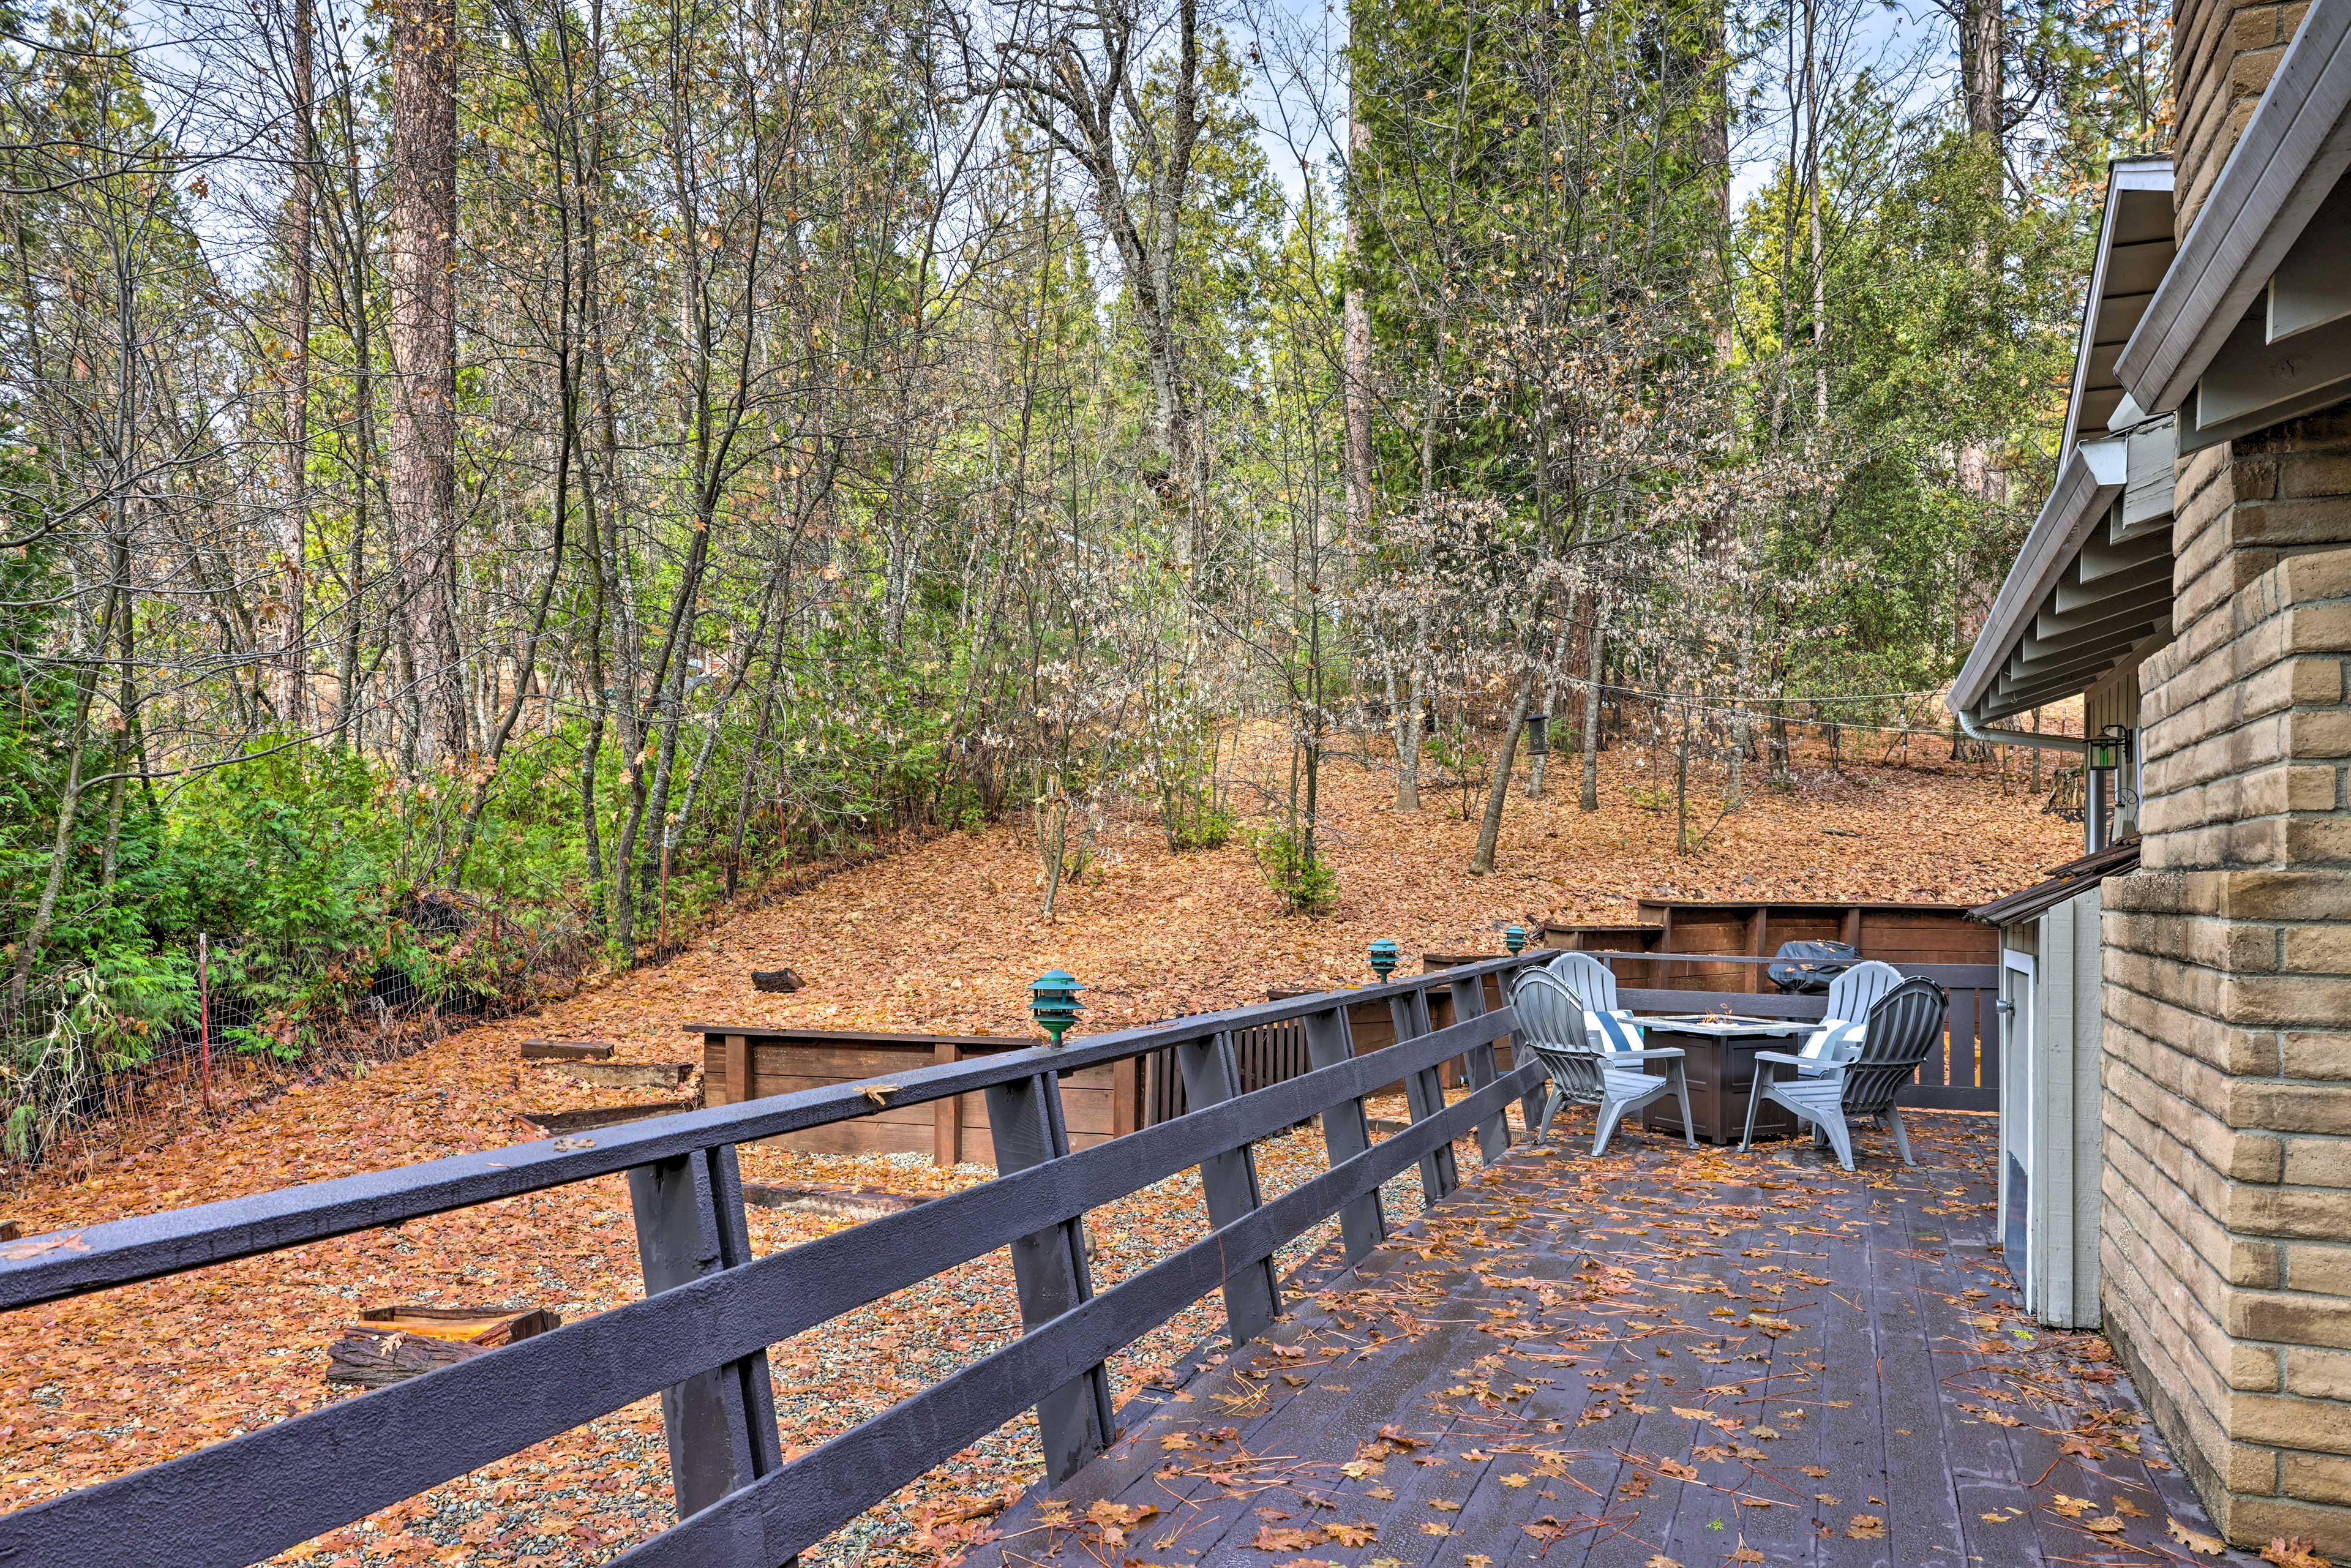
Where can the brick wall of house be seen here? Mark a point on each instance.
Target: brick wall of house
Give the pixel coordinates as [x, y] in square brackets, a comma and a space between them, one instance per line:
[2225, 1238]
[2226, 1249]
[2222, 55]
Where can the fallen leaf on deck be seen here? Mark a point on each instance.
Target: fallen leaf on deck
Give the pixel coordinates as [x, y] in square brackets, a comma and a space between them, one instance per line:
[1268, 1539]
[2195, 1539]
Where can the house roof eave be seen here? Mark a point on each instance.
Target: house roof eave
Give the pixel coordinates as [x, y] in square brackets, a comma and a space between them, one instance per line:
[2293, 151]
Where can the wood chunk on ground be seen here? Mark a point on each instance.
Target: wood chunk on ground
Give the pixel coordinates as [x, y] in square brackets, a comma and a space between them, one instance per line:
[567, 1049]
[622, 1074]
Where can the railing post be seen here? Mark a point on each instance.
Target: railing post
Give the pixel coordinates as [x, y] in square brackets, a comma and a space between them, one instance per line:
[1494, 1132]
[1229, 1182]
[1424, 1094]
[1346, 1132]
[1048, 1270]
[720, 1424]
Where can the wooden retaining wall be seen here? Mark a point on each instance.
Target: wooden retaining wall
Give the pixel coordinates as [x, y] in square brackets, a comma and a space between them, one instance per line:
[742, 1063]
[1903, 934]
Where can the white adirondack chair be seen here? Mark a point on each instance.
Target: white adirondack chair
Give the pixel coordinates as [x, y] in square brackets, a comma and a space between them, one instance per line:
[1902, 1029]
[1851, 996]
[1593, 1059]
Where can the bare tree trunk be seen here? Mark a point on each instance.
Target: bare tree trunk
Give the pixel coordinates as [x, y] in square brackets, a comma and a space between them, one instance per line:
[1982, 53]
[1982, 65]
[1355, 351]
[1552, 671]
[1714, 158]
[1812, 206]
[1589, 798]
[1407, 795]
[1089, 108]
[1489, 829]
[293, 692]
[422, 461]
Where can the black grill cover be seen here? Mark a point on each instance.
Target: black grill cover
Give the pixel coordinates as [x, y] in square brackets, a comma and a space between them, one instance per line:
[1807, 968]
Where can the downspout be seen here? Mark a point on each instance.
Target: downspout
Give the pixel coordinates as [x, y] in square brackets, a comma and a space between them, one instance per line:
[2021, 736]
[2093, 806]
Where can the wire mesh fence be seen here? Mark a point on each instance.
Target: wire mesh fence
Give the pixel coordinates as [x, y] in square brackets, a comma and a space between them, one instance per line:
[119, 1053]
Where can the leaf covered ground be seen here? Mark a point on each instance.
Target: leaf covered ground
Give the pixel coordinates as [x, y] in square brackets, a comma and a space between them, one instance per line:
[941, 937]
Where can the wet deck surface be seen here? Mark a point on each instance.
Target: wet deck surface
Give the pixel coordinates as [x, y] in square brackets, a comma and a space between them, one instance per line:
[1664, 1357]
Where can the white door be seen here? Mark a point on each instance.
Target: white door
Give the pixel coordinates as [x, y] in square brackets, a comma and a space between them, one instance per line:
[2017, 1103]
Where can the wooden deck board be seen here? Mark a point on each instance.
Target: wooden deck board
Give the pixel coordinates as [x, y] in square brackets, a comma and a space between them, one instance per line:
[1509, 1380]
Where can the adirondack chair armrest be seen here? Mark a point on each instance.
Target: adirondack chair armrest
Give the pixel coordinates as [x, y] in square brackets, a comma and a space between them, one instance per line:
[1646, 1053]
[1793, 1060]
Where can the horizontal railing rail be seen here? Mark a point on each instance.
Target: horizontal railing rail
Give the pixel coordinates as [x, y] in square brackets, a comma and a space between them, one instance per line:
[700, 1334]
[124, 1251]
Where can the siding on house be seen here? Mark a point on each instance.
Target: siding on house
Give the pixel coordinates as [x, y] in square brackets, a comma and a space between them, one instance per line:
[2114, 702]
[2064, 1122]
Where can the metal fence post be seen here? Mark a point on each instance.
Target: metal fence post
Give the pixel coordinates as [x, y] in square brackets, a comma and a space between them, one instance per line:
[1470, 1002]
[1424, 1094]
[1345, 1131]
[1229, 1182]
[720, 1424]
[1048, 1270]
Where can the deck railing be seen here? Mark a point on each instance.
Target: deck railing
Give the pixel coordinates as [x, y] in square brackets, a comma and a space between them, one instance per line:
[699, 1336]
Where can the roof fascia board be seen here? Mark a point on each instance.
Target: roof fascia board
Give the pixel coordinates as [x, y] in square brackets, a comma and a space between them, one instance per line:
[2253, 383]
[2123, 174]
[2092, 476]
[2294, 150]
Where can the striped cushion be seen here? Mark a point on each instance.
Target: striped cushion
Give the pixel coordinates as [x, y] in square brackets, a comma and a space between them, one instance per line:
[1834, 1041]
[1617, 1030]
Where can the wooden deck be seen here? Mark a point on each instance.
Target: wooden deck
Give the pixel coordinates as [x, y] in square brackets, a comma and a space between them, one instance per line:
[1663, 1357]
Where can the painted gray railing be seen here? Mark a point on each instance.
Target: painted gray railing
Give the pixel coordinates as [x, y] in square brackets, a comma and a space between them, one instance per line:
[699, 1336]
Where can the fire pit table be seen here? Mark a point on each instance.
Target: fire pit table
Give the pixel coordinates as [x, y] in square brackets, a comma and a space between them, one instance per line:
[1718, 1058]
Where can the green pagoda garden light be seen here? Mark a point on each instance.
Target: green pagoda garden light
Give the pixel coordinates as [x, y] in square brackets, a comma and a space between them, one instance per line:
[1053, 1002]
[1514, 938]
[1383, 953]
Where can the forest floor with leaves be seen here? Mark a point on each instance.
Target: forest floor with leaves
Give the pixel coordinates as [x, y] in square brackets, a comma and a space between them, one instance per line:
[944, 937]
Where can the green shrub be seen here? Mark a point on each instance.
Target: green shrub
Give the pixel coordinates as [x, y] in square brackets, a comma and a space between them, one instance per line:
[1193, 821]
[1304, 879]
